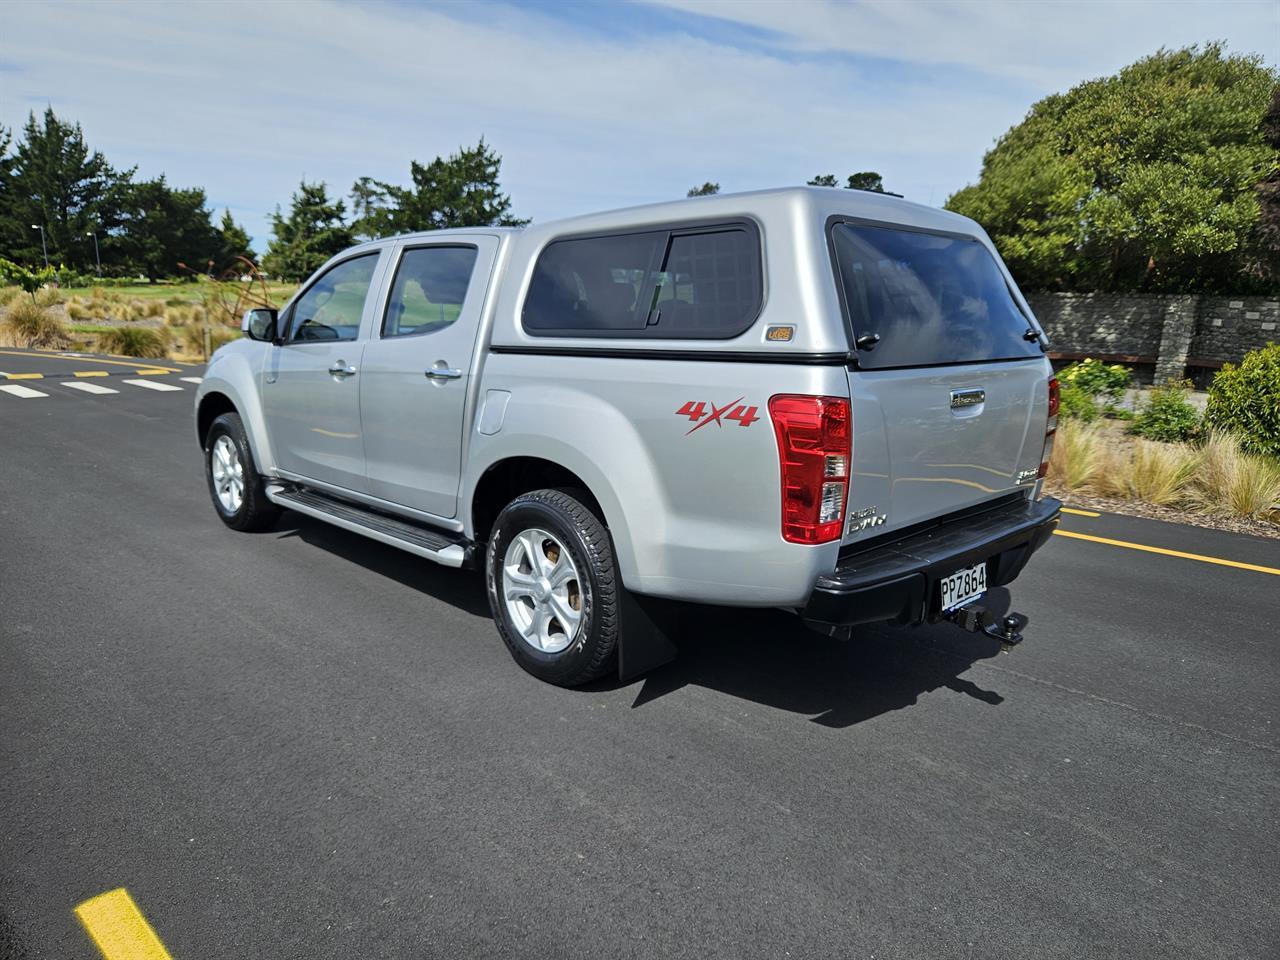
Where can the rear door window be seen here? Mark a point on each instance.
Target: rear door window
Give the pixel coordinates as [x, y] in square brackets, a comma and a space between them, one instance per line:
[932, 299]
[429, 290]
[691, 283]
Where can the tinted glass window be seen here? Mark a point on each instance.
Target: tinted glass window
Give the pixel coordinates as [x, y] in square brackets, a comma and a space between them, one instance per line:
[932, 299]
[429, 289]
[709, 285]
[591, 285]
[702, 283]
[332, 306]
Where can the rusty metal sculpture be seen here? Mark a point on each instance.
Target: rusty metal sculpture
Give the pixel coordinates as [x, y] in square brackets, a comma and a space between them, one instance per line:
[228, 294]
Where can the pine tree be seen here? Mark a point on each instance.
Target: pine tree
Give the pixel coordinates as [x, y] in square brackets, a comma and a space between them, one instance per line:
[312, 233]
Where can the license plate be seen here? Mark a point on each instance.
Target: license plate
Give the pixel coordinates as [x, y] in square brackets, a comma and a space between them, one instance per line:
[963, 586]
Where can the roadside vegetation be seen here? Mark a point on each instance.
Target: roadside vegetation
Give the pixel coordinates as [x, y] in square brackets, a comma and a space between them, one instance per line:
[1225, 463]
[182, 321]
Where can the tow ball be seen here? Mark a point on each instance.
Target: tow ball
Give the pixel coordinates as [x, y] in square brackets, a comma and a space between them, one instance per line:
[978, 619]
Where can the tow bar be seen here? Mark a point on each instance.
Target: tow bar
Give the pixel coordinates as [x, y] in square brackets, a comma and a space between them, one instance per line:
[975, 619]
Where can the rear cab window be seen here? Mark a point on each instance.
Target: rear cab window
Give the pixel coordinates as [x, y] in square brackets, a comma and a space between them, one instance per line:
[703, 282]
[429, 290]
[931, 298]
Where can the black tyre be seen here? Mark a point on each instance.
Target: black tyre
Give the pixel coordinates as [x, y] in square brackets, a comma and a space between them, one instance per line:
[553, 587]
[234, 482]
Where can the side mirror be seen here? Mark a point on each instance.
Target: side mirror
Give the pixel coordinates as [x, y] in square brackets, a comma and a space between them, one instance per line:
[259, 324]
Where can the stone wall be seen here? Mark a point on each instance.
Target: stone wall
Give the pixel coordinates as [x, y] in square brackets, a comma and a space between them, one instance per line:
[1165, 336]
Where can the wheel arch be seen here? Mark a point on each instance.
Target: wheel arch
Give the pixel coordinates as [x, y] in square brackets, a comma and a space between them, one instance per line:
[212, 405]
[505, 479]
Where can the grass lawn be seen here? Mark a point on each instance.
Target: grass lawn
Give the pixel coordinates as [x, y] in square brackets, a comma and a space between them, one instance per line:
[186, 292]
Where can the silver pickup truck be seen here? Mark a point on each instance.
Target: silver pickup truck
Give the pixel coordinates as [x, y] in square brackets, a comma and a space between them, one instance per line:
[829, 401]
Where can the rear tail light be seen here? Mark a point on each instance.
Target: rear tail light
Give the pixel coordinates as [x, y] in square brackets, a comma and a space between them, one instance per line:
[1050, 429]
[813, 449]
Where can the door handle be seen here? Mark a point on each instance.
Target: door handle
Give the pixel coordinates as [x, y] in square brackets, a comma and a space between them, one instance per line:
[342, 369]
[444, 373]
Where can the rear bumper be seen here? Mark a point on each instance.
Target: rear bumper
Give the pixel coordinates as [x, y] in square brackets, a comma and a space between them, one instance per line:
[896, 580]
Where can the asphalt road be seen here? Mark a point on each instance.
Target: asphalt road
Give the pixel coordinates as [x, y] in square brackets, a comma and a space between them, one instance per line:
[306, 744]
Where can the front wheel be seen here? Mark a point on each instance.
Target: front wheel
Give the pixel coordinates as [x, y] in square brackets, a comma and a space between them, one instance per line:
[553, 587]
[234, 482]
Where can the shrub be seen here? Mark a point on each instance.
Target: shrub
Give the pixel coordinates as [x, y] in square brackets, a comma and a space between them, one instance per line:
[154, 309]
[27, 324]
[193, 338]
[134, 342]
[1155, 472]
[48, 296]
[77, 311]
[1245, 400]
[1076, 404]
[1232, 481]
[1167, 414]
[1096, 379]
[1077, 455]
[8, 295]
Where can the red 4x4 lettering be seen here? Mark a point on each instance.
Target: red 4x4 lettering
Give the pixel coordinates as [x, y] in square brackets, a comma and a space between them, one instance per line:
[733, 410]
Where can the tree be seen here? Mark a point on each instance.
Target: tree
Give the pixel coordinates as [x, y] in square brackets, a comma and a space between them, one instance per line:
[708, 189]
[55, 181]
[1268, 265]
[1140, 181]
[166, 228]
[461, 191]
[30, 279]
[312, 233]
[233, 242]
[866, 180]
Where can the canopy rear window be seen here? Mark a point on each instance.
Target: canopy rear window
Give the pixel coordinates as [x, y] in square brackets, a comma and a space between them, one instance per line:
[700, 282]
[932, 299]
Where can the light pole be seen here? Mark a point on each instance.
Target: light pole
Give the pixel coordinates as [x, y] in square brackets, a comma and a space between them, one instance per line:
[96, 256]
[43, 246]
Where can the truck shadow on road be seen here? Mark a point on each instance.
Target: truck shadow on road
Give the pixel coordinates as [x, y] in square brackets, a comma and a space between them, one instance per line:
[769, 657]
[765, 656]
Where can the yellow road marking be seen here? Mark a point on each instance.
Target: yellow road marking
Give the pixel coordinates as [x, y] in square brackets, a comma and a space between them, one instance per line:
[24, 376]
[119, 929]
[78, 359]
[1169, 553]
[91, 373]
[154, 371]
[1081, 513]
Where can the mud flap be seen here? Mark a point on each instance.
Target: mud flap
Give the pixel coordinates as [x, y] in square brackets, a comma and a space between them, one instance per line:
[645, 634]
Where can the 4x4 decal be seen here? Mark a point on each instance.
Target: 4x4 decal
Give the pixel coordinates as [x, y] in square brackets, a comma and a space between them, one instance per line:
[733, 410]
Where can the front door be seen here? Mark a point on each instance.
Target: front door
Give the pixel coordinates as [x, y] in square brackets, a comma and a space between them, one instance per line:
[417, 370]
[311, 391]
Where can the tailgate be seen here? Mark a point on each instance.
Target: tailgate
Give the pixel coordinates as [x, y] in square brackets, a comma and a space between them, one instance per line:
[917, 457]
[950, 395]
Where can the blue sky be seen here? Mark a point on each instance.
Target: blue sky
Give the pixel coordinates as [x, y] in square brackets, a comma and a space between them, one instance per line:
[592, 105]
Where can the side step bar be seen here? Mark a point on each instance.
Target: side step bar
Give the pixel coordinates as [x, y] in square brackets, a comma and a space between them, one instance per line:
[448, 549]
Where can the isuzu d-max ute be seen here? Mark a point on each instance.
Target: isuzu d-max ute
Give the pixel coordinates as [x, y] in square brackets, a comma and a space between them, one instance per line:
[829, 401]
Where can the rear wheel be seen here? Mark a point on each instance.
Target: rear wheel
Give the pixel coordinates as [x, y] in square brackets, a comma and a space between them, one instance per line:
[235, 485]
[553, 587]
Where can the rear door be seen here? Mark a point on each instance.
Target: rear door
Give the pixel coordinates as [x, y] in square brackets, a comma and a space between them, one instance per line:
[950, 395]
[417, 372]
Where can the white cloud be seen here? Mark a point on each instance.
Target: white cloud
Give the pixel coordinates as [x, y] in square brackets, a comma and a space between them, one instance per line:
[1050, 43]
[244, 99]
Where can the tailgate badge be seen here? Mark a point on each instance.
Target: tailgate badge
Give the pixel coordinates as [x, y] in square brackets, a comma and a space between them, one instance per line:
[967, 398]
[865, 518]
